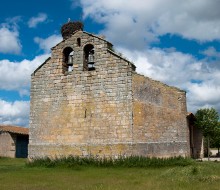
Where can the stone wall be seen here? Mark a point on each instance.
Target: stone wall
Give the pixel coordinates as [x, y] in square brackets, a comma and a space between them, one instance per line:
[7, 144]
[160, 126]
[81, 112]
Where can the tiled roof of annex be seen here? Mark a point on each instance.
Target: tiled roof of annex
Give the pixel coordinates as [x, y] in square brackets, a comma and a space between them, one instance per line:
[14, 129]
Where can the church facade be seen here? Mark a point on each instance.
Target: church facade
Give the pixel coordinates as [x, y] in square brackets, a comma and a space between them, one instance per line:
[87, 100]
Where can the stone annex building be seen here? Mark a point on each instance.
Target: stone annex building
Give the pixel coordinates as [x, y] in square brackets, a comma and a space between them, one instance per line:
[88, 100]
[13, 141]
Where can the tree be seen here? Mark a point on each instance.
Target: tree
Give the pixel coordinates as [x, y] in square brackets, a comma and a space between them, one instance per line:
[207, 121]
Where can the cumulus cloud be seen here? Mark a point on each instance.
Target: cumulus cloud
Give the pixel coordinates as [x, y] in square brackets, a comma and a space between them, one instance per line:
[16, 75]
[48, 43]
[137, 22]
[14, 113]
[174, 68]
[9, 39]
[211, 52]
[34, 21]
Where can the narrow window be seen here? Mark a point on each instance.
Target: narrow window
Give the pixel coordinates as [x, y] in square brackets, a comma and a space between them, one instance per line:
[89, 60]
[79, 42]
[68, 54]
[85, 112]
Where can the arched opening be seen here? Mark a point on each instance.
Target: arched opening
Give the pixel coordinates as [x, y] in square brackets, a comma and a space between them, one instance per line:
[68, 54]
[89, 61]
[79, 42]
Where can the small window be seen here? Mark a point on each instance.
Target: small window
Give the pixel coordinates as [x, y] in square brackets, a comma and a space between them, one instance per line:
[79, 42]
[68, 54]
[89, 59]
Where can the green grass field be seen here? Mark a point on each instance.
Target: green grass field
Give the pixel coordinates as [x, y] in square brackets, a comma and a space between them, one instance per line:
[14, 174]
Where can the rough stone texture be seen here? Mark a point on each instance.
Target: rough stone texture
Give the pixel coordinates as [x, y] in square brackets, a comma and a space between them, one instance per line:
[159, 119]
[110, 111]
[7, 145]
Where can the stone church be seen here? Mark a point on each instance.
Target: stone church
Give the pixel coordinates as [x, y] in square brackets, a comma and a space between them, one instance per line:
[88, 100]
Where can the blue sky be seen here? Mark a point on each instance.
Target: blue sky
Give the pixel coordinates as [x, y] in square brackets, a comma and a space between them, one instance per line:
[176, 42]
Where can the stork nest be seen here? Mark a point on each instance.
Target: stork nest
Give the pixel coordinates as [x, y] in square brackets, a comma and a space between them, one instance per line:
[69, 28]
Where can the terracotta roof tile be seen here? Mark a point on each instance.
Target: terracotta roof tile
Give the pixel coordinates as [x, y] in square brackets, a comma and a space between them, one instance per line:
[14, 129]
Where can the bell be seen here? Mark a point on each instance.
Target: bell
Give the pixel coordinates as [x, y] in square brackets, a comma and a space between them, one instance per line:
[91, 58]
[70, 68]
[70, 60]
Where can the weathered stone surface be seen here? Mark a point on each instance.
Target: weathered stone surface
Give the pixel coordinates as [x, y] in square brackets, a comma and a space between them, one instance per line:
[7, 145]
[109, 111]
[159, 118]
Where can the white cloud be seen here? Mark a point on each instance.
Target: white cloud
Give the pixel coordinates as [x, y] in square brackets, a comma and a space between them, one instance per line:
[211, 52]
[204, 95]
[14, 113]
[174, 68]
[48, 43]
[206, 92]
[34, 21]
[16, 75]
[9, 41]
[136, 22]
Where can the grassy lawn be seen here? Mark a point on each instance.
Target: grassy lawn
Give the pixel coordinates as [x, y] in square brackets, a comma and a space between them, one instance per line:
[14, 174]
